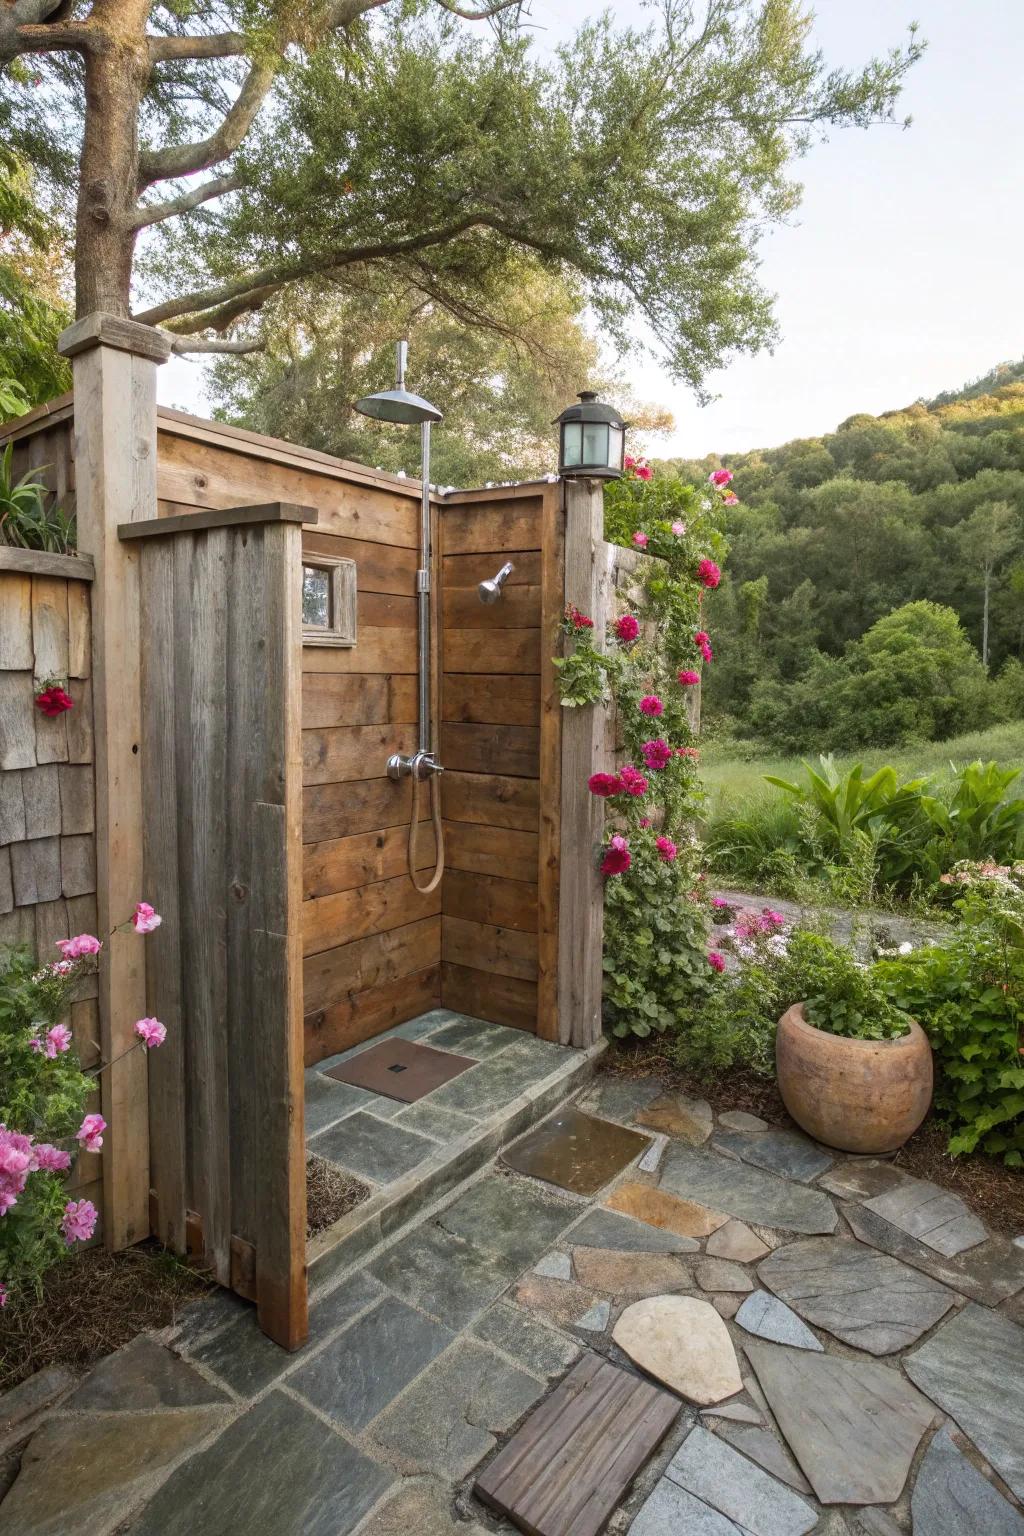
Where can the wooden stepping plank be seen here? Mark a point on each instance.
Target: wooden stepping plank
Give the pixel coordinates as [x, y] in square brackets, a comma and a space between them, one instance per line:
[569, 1465]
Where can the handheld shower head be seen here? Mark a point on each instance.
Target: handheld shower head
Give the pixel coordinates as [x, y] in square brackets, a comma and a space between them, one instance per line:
[490, 591]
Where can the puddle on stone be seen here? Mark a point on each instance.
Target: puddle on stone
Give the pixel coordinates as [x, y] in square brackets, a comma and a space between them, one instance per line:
[576, 1152]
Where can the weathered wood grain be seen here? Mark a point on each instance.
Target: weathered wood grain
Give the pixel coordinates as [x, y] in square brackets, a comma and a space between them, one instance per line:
[6, 882]
[329, 921]
[77, 865]
[49, 628]
[330, 756]
[333, 699]
[515, 749]
[517, 608]
[492, 798]
[485, 850]
[79, 722]
[550, 764]
[482, 947]
[15, 622]
[470, 570]
[484, 526]
[343, 863]
[335, 974]
[76, 797]
[12, 809]
[40, 790]
[487, 899]
[17, 720]
[79, 630]
[384, 610]
[495, 651]
[35, 871]
[339, 810]
[376, 650]
[379, 567]
[39, 562]
[501, 999]
[474, 698]
[364, 1014]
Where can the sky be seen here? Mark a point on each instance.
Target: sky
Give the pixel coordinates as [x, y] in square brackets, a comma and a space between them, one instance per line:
[900, 275]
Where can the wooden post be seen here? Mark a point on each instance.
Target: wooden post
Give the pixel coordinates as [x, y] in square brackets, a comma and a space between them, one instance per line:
[584, 751]
[115, 363]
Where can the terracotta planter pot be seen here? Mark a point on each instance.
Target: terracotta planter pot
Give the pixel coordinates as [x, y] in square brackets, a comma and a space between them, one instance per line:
[858, 1095]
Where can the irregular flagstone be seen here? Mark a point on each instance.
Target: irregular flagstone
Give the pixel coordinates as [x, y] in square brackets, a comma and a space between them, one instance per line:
[727, 1305]
[85, 1474]
[865, 1298]
[694, 1173]
[556, 1266]
[768, 1318]
[973, 1367]
[689, 1119]
[716, 1473]
[989, 1273]
[144, 1375]
[762, 1446]
[737, 1413]
[862, 1178]
[952, 1498]
[853, 1425]
[630, 1274]
[29, 1398]
[736, 1241]
[740, 1120]
[622, 1098]
[560, 1300]
[651, 1160]
[596, 1319]
[682, 1342]
[875, 1522]
[671, 1511]
[660, 1208]
[721, 1275]
[602, 1228]
[441, 1274]
[934, 1216]
[785, 1152]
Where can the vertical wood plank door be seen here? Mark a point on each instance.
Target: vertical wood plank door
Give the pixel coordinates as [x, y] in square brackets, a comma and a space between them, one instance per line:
[221, 754]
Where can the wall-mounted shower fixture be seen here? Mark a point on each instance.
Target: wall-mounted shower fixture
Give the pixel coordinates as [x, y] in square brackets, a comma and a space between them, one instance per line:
[490, 591]
[400, 406]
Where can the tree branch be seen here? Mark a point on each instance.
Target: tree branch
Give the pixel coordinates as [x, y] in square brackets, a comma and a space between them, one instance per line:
[494, 8]
[215, 45]
[186, 159]
[155, 213]
[39, 36]
[181, 345]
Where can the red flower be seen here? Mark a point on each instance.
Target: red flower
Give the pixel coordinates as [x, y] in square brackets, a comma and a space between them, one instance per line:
[633, 781]
[650, 704]
[716, 961]
[577, 620]
[643, 472]
[667, 849]
[605, 785]
[708, 574]
[627, 628]
[656, 753]
[53, 701]
[617, 857]
[688, 678]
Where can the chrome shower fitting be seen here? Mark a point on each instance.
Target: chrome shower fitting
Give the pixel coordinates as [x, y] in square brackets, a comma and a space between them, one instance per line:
[490, 591]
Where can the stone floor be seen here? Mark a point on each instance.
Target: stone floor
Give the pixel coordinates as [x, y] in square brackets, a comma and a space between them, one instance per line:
[844, 1341]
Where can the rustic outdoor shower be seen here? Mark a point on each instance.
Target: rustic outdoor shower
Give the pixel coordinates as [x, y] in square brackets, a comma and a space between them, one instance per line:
[254, 665]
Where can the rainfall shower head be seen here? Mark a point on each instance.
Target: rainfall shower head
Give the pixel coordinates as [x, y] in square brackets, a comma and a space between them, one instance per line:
[490, 591]
[398, 404]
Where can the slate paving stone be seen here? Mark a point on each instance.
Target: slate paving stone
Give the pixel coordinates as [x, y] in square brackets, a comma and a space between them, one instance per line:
[762, 1446]
[736, 1241]
[530, 1342]
[596, 1318]
[430, 1119]
[990, 1273]
[82, 1475]
[513, 1219]
[448, 1420]
[202, 1318]
[144, 1375]
[784, 1152]
[442, 1274]
[695, 1173]
[473, 1037]
[422, 1506]
[659, 1208]
[675, 1115]
[865, 1298]
[621, 1098]
[651, 1160]
[862, 1178]
[768, 1318]
[602, 1228]
[740, 1120]
[737, 1413]
[874, 1522]
[718, 1475]
[630, 1274]
[243, 1356]
[721, 1275]
[952, 1498]
[934, 1216]
[557, 1266]
[973, 1367]
[561, 1300]
[671, 1511]
[19, 1404]
[328, 1102]
[484, 1089]
[853, 1425]
[727, 1305]
[276, 1471]
[354, 1377]
[376, 1149]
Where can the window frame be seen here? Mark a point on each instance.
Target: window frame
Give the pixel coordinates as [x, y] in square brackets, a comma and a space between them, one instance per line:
[342, 572]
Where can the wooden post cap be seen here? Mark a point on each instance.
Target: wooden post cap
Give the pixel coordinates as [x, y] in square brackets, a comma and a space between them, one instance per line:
[100, 330]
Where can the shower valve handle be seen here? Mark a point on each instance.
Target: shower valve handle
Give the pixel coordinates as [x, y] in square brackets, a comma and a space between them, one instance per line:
[421, 765]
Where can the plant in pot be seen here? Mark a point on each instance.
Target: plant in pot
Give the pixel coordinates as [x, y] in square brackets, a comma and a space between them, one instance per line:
[854, 1071]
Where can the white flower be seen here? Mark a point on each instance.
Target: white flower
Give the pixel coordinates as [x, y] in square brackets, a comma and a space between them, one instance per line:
[906, 948]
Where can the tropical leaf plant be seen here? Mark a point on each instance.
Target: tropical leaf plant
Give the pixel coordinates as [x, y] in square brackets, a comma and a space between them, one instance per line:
[25, 519]
[850, 805]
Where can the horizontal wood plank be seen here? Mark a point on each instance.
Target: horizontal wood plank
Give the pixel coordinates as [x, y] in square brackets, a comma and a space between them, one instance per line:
[469, 570]
[491, 527]
[482, 947]
[336, 974]
[366, 1014]
[376, 650]
[491, 850]
[219, 517]
[379, 567]
[383, 610]
[515, 749]
[329, 921]
[336, 698]
[500, 999]
[489, 899]
[343, 863]
[495, 799]
[517, 608]
[495, 651]
[339, 810]
[473, 698]
[37, 562]
[343, 752]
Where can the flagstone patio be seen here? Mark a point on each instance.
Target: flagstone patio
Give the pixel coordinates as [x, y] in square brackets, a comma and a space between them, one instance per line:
[843, 1342]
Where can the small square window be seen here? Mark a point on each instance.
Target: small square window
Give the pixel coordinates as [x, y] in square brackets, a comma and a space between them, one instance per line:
[328, 601]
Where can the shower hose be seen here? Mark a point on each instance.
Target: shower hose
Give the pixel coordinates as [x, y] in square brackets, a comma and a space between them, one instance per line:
[435, 812]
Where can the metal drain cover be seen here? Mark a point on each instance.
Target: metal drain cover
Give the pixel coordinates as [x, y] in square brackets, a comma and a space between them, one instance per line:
[401, 1069]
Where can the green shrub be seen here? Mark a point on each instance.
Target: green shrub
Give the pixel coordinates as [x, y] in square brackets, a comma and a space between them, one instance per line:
[968, 996]
[840, 996]
[25, 518]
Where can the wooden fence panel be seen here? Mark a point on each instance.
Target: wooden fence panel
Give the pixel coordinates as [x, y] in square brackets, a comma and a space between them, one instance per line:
[222, 846]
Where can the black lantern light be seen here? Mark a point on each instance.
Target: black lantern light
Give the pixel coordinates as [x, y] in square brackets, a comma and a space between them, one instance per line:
[592, 439]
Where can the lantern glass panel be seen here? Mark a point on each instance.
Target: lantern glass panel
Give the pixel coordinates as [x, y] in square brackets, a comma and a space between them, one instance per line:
[572, 443]
[614, 447]
[595, 442]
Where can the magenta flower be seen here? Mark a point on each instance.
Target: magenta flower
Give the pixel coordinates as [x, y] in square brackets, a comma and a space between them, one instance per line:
[633, 781]
[643, 472]
[54, 701]
[605, 784]
[720, 477]
[626, 628]
[678, 528]
[76, 948]
[688, 678]
[3, 1294]
[667, 849]
[708, 574]
[90, 1133]
[79, 1221]
[645, 822]
[720, 902]
[51, 1159]
[58, 1040]
[145, 919]
[640, 539]
[657, 754]
[715, 960]
[151, 1032]
[617, 857]
[17, 1161]
[650, 704]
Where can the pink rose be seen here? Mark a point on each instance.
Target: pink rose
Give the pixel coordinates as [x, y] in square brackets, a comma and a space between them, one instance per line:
[650, 704]
[708, 573]
[79, 1221]
[52, 1159]
[730, 500]
[678, 528]
[656, 753]
[667, 849]
[3, 1294]
[640, 539]
[720, 477]
[643, 472]
[90, 1133]
[76, 948]
[633, 781]
[145, 919]
[689, 678]
[151, 1032]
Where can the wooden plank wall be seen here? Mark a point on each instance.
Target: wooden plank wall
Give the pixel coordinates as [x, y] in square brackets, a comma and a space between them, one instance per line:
[496, 724]
[220, 752]
[47, 798]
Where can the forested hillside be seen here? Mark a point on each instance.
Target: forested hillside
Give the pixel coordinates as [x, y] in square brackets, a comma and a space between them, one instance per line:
[922, 506]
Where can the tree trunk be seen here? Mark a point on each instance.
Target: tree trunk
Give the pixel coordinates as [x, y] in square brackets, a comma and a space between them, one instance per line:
[984, 616]
[116, 70]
